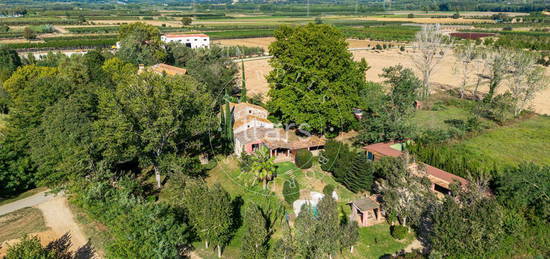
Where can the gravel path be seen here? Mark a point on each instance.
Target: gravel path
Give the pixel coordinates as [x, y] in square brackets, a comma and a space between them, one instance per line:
[31, 201]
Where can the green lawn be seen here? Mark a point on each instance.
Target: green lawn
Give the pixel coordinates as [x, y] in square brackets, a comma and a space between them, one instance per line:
[442, 107]
[16, 224]
[527, 140]
[376, 241]
[428, 119]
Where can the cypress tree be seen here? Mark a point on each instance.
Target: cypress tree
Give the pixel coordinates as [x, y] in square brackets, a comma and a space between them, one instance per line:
[360, 176]
[254, 244]
[243, 86]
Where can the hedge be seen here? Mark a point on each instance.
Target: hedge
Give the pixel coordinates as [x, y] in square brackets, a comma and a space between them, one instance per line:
[398, 232]
[291, 191]
[64, 44]
[303, 159]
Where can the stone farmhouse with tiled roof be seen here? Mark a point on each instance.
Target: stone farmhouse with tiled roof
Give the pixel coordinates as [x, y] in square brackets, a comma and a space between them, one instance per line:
[252, 129]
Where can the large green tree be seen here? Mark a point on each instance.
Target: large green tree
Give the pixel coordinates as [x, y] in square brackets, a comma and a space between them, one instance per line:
[159, 121]
[390, 120]
[328, 226]
[140, 44]
[210, 66]
[32, 89]
[148, 230]
[405, 194]
[468, 224]
[526, 188]
[314, 81]
[63, 145]
[254, 243]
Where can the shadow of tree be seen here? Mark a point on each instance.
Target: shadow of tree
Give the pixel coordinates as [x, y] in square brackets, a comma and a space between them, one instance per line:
[61, 247]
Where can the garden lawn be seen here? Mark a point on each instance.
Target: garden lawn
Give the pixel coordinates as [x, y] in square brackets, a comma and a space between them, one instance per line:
[376, 241]
[429, 119]
[527, 140]
[313, 179]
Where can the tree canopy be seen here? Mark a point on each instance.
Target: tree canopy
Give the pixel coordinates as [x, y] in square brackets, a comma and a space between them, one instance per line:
[314, 82]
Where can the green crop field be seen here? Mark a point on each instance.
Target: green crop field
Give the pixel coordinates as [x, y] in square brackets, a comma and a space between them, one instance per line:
[510, 145]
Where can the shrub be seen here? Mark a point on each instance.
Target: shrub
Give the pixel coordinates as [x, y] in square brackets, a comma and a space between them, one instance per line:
[303, 159]
[328, 189]
[378, 46]
[398, 232]
[410, 15]
[402, 48]
[291, 191]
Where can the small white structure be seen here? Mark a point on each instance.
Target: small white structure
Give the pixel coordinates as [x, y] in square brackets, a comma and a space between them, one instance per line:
[190, 40]
[315, 198]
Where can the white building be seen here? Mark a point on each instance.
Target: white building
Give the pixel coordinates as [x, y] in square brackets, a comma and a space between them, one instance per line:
[190, 40]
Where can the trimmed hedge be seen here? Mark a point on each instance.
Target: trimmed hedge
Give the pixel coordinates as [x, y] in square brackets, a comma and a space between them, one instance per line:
[398, 232]
[291, 191]
[304, 159]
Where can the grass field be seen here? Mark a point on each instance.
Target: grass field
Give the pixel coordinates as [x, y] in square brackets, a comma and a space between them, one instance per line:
[376, 241]
[510, 145]
[21, 222]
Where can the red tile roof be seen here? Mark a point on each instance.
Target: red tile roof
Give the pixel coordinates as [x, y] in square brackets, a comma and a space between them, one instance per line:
[443, 175]
[184, 35]
[385, 149]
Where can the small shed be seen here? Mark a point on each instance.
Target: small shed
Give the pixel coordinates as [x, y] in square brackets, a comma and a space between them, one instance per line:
[366, 212]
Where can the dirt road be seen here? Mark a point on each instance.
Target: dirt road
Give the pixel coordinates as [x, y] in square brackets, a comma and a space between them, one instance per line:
[59, 219]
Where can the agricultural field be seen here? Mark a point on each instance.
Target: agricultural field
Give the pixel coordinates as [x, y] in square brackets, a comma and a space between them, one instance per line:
[445, 75]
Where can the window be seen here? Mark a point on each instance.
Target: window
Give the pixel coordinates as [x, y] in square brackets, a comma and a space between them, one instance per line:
[195, 39]
[205, 39]
[370, 155]
[441, 189]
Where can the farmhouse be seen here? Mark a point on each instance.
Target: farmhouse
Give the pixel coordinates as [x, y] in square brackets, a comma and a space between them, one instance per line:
[252, 129]
[440, 179]
[190, 40]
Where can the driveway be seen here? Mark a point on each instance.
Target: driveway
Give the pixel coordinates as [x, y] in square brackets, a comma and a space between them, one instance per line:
[31, 201]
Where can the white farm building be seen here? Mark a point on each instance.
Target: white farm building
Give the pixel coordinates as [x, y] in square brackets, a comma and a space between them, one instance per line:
[190, 40]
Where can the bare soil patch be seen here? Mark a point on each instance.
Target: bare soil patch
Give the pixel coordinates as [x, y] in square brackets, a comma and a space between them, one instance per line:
[444, 76]
[21, 222]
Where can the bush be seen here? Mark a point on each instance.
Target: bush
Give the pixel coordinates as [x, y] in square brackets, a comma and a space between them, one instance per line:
[410, 15]
[291, 191]
[303, 159]
[402, 48]
[328, 189]
[378, 47]
[398, 232]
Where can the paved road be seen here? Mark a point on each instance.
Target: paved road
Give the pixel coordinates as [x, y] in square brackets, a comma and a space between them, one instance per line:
[34, 200]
